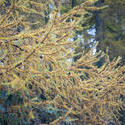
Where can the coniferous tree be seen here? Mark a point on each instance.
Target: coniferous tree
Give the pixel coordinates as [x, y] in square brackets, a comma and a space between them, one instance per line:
[110, 24]
[39, 82]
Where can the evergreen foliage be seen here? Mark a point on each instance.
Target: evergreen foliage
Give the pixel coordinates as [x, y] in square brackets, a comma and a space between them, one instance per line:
[39, 82]
[110, 25]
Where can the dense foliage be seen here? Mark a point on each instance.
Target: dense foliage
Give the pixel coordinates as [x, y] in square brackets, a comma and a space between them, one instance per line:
[111, 30]
[40, 83]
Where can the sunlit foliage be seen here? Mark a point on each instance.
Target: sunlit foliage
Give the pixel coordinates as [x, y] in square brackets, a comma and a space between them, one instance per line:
[37, 70]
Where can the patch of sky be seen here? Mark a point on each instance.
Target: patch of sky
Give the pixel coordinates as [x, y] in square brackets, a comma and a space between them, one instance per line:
[91, 32]
[50, 6]
[1, 63]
